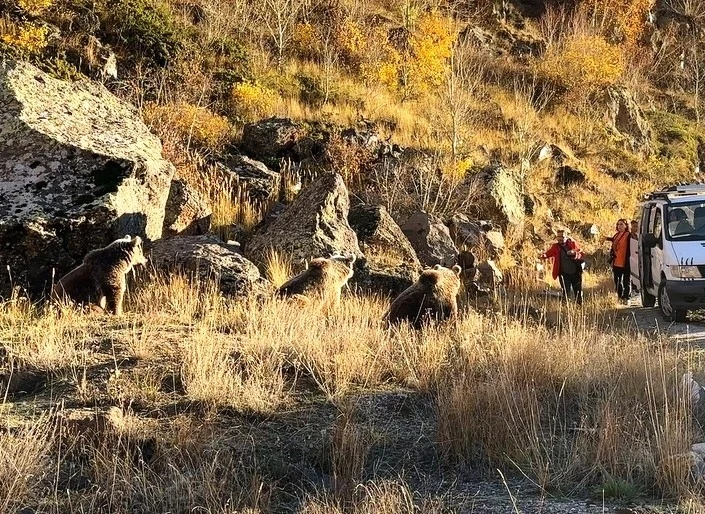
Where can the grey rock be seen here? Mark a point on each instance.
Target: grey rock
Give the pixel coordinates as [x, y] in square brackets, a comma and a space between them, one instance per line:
[258, 180]
[430, 239]
[208, 258]
[314, 225]
[624, 116]
[477, 235]
[186, 213]
[390, 264]
[379, 236]
[568, 175]
[505, 200]
[79, 170]
[270, 138]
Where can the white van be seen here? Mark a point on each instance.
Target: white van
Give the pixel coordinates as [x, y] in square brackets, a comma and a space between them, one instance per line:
[671, 251]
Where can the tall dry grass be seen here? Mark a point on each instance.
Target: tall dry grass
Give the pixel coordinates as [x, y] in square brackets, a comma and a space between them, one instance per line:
[26, 460]
[572, 400]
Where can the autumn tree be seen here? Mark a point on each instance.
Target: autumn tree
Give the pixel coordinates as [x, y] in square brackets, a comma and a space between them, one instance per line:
[279, 17]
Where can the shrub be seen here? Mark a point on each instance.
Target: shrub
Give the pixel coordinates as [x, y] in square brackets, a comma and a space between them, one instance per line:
[28, 39]
[195, 124]
[305, 41]
[582, 64]
[420, 66]
[250, 101]
[624, 19]
[144, 26]
[34, 7]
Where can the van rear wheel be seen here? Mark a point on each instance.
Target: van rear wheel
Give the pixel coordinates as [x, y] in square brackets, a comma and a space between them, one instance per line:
[668, 312]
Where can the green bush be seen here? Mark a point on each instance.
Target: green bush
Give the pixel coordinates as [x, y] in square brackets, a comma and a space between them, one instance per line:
[144, 27]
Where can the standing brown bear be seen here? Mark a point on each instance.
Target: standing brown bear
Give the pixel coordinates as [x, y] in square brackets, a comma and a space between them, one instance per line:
[433, 296]
[323, 279]
[100, 281]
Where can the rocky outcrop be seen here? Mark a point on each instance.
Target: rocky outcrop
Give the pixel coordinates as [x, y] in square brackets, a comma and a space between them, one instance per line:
[258, 180]
[270, 138]
[568, 175]
[314, 225]
[207, 258]
[390, 264]
[430, 239]
[79, 170]
[478, 235]
[379, 236]
[624, 116]
[186, 213]
[504, 200]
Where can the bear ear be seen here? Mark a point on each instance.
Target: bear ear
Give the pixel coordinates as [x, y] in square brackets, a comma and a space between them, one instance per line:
[437, 266]
[127, 238]
[137, 241]
[457, 269]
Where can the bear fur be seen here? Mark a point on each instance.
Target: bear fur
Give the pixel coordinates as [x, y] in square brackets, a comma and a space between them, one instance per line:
[433, 296]
[323, 278]
[100, 281]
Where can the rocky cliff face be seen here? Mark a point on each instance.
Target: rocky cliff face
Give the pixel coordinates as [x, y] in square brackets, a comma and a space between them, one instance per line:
[78, 169]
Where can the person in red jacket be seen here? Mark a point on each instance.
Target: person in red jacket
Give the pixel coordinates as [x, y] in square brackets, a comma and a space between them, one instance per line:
[567, 265]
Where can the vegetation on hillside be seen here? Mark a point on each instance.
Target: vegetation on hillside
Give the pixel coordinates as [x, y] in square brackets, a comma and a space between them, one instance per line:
[464, 84]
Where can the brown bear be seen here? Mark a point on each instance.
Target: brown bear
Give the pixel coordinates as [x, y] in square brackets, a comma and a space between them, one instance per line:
[433, 296]
[323, 279]
[100, 281]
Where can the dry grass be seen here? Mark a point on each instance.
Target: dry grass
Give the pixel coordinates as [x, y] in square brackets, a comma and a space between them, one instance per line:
[25, 455]
[571, 403]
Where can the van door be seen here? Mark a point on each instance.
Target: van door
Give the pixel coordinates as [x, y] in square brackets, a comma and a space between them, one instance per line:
[656, 225]
[634, 261]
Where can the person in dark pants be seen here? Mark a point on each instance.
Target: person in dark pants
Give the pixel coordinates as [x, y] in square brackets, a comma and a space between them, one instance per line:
[567, 265]
[619, 259]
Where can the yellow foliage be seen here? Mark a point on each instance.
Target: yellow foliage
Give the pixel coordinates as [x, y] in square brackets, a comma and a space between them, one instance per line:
[305, 41]
[422, 67]
[34, 7]
[28, 38]
[583, 64]
[626, 18]
[250, 101]
[350, 42]
[432, 45]
[197, 124]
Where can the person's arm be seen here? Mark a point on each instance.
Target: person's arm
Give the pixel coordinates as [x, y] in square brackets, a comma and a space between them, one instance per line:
[576, 251]
[551, 252]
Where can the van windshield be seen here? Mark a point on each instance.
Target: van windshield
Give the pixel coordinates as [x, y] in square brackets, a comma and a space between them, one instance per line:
[686, 221]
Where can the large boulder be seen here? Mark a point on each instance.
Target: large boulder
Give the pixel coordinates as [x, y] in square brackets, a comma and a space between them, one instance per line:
[258, 180]
[390, 264]
[625, 117]
[186, 213]
[430, 239]
[208, 258]
[478, 235]
[271, 138]
[505, 200]
[315, 224]
[79, 170]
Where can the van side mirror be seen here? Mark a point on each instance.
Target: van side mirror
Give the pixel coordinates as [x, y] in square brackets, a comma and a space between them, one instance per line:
[649, 240]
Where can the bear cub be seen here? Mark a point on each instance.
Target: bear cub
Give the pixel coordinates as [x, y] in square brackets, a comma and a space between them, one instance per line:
[100, 281]
[323, 278]
[433, 296]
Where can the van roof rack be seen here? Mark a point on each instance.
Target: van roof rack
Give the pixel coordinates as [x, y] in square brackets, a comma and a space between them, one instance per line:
[675, 191]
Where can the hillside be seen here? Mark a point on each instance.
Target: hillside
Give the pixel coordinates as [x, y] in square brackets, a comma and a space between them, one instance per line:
[319, 126]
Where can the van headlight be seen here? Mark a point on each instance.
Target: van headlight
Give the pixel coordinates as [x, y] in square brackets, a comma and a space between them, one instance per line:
[685, 271]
